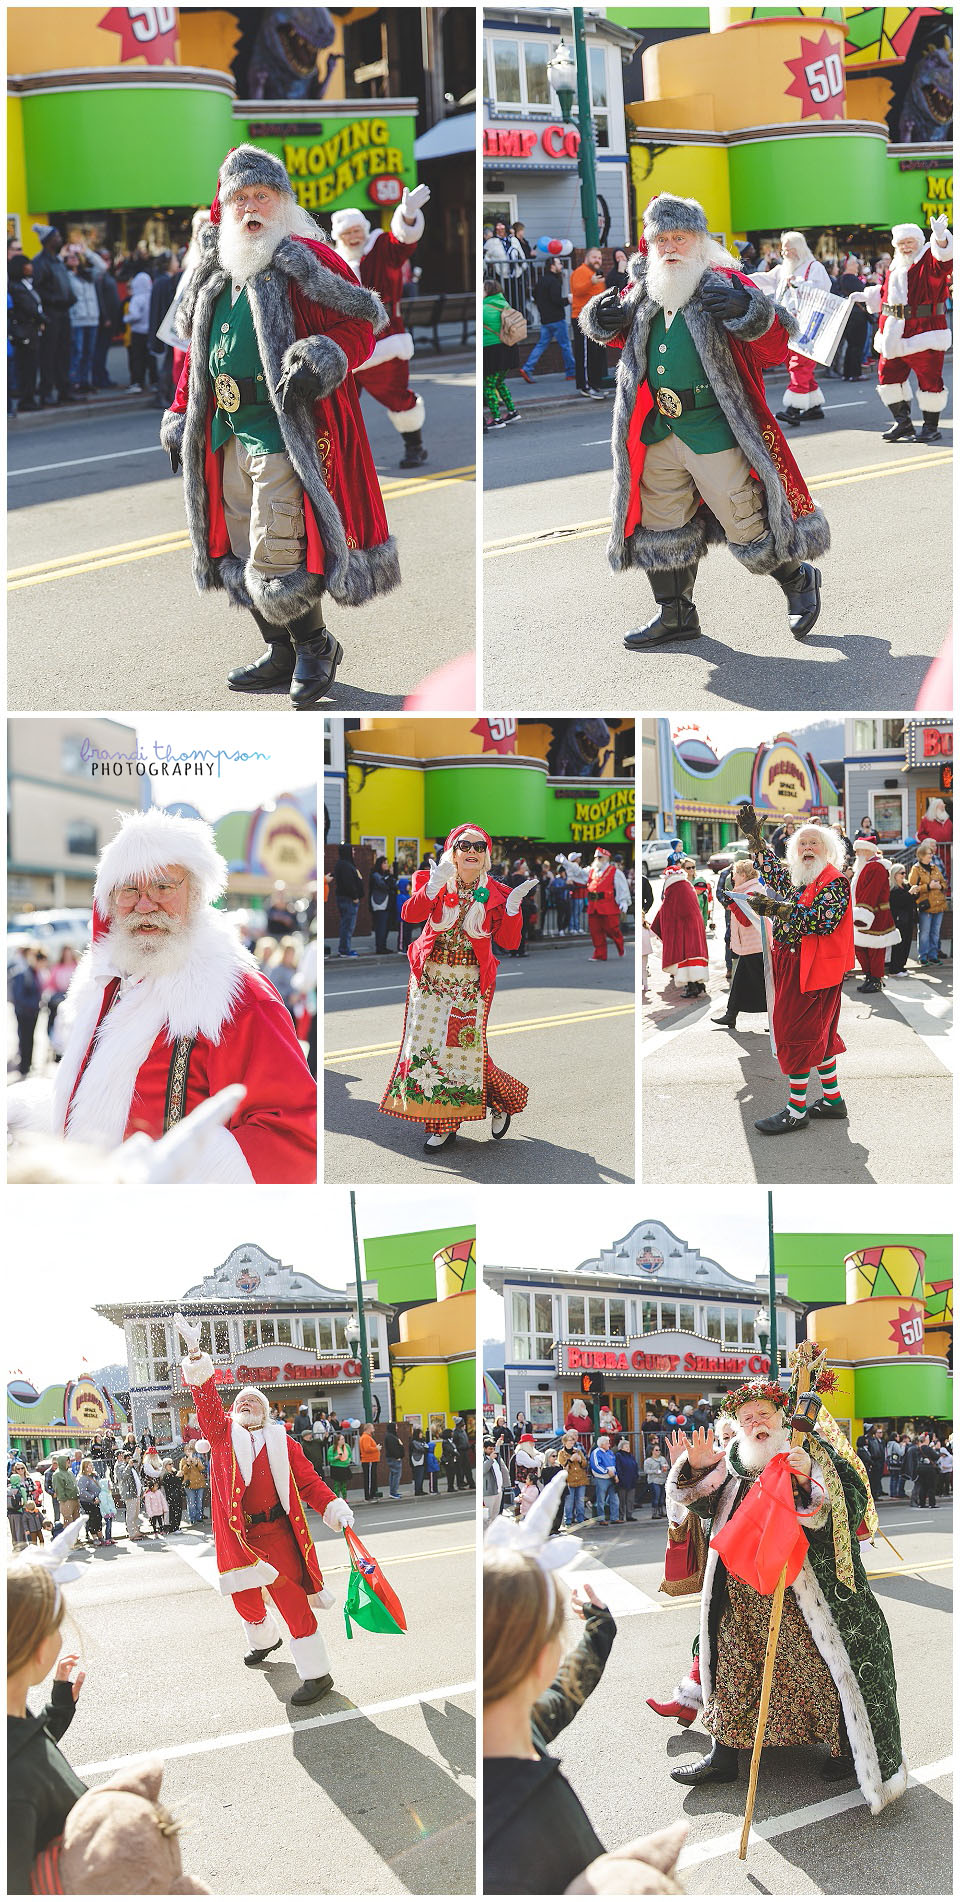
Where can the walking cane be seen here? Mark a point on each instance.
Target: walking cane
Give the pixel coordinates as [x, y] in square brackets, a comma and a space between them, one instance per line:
[776, 1613]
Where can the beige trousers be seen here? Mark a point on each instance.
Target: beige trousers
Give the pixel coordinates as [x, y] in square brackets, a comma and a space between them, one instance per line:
[674, 479]
[263, 506]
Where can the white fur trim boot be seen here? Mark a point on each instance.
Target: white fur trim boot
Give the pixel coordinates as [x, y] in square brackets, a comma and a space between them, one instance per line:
[313, 1668]
[262, 1639]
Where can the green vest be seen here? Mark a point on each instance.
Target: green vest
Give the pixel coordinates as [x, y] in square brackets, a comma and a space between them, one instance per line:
[234, 352]
[673, 364]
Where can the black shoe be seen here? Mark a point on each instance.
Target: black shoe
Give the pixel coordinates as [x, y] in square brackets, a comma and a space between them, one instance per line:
[311, 1689]
[791, 416]
[835, 1111]
[726, 1023]
[815, 415]
[257, 1657]
[273, 669]
[782, 1123]
[722, 1766]
[929, 433]
[318, 656]
[837, 1769]
[676, 617]
[414, 452]
[902, 429]
[800, 582]
[870, 985]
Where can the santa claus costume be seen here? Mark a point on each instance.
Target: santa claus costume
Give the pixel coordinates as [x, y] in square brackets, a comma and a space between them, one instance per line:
[803, 397]
[937, 825]
[608, 894]
[679, 925]
[142, 1051]
[578, 1421]
[260, 1480]
[913, 333]
[443, 1075]
[873, 927]
[378, 259]
[812, 953]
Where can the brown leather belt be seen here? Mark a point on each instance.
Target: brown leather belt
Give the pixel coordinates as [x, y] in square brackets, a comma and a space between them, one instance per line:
[919, 310]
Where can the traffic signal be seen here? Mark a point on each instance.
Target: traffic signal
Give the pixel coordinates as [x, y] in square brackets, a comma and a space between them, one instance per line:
[591, 1383]
[946, 777]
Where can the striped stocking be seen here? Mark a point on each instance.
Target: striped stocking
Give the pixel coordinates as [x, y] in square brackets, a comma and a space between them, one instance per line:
[798, 1093]
[827, 1073]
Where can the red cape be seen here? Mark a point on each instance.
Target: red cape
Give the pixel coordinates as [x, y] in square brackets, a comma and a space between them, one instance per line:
[679, 926]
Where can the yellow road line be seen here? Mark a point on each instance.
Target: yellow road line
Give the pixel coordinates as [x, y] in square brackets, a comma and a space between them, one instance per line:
[62, 567]
[932, 1565]
[499, 1030]
[581, 531]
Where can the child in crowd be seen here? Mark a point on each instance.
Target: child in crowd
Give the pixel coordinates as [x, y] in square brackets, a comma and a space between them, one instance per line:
[41, 1786]
[154, 1504]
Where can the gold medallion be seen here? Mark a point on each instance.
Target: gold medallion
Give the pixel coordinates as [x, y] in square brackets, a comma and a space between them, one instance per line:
[227, 393]
[668, 403]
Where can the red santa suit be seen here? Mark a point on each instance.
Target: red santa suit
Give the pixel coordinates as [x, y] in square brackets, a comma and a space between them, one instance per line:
[913, 332]
[803, 391]
[938, 826]
[386, 374]
[608, 894]
[141, 1052]
[873, 926]
[259, 1484]
[579, 1422]
[812, 953]
[679, 926]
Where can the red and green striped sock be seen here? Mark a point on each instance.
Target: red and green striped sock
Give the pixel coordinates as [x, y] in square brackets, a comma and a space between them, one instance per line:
[827, 1073]
[798, 1093]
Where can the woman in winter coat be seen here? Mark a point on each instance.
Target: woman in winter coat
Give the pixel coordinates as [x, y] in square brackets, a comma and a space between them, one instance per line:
[26, 329]
[903, 905]
[380, 890]
[928, 882]
[88, 1492]
[138, 318]
[173, 1493]
[747, 991]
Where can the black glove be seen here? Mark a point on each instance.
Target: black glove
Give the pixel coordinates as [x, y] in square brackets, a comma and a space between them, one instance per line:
[724, 297]
[174, 455]
[750, 825]
[768, 906]
[609, 314]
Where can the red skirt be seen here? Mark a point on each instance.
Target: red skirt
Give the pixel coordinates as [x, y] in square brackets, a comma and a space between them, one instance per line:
[805, 1023]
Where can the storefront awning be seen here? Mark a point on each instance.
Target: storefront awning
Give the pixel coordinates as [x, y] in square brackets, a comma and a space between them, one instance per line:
[448, 138]
[698, 809]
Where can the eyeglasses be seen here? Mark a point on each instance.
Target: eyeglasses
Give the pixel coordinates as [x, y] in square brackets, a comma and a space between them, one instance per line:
[158, 890]
[470, 845]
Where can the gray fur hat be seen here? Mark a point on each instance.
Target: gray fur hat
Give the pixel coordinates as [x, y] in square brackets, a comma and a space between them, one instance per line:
[249, 165]
[667, 213]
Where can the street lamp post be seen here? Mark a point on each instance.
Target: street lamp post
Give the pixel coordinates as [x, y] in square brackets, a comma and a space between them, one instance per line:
[565, 75]
[361, 1325]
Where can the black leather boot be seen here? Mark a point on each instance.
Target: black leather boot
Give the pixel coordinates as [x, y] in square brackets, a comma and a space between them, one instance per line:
[318, 656]
[931, 426]
[273, 669]
[902, 429]
[722, 1766]
[800, 582]
[413, 450]
[676, 617]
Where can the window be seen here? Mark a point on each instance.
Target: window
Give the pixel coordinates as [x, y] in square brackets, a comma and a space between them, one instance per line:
[268, 1334]
[685, 1319]
[535, 68]
[518, 73]
[746, 1329]
[521, 1326]
[887, 813]
[533, 1328]
[892, 733]
[618, 1319]
[668, 1314]
[648, 1324]
[205, 1347]
[221, 1336]
[543, 1325]
[308, 1334]
[731, 1332]
[160, 1426]
[71, 755]
[341, 1344]
[712, 1318]
[575, 1321]
[597, 68]
[251, 1337]
[158, 1338]
[324, 1337]
[596, 1317]
[82, 838]
[506, 72]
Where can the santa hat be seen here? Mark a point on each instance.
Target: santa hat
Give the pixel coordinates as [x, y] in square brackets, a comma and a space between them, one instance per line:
[671, 872]
[149, 841]
[526, 1439]
[865, 842]
[601, 852]
[348, 216]
[899, 232]
[669, 213]
[253, 1393]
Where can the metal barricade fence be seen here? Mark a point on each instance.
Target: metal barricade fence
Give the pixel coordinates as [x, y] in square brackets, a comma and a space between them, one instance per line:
[518, 281]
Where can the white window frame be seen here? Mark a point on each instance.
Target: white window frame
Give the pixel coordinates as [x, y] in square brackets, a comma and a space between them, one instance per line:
[172, 1429]
[523, 104]
[898, 792]
[600, 114]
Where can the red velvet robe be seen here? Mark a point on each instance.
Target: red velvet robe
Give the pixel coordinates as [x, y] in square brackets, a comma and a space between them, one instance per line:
[679, 926]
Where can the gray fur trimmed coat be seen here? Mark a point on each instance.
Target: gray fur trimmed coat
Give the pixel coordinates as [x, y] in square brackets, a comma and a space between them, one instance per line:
[314, 325]
[797, 530]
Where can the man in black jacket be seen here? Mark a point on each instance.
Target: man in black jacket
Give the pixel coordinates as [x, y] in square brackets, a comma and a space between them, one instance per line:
[51, 281]
[348, 891]
[111, 321]
[461, 1440]
[548, 295]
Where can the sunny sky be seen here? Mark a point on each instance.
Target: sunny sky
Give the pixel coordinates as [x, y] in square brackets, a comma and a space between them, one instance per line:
[730, 730]
[157, 1245]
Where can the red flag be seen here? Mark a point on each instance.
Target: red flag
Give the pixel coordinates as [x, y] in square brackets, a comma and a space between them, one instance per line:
[763, 1536]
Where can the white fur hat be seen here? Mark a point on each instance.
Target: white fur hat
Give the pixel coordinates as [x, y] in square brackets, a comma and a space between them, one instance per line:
[147, 841]
[348, 216]
[907, 231]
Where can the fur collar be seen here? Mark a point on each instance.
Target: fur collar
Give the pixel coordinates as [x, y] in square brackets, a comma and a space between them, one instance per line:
[195, 1001]
[278, 1456]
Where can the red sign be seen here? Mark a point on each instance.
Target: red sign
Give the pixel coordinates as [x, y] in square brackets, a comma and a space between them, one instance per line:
[145, 32]
[243, 1374]
[385, 190]
[611, 1360]
[499, 734]
[937, 742]
[907, 1331]
[557, 141]
[818, 79]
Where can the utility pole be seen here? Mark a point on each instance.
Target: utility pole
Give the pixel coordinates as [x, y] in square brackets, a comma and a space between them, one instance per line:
[587, 155]
[774, 1357]
[361, 1318]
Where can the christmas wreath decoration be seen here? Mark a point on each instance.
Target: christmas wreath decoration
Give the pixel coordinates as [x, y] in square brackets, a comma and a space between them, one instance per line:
[754, 1390]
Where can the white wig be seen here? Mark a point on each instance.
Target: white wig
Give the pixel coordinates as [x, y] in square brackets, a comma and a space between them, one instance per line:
[831, 846]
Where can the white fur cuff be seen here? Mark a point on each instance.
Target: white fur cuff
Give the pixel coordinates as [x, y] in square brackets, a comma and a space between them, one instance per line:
[933, 401]
[406, 420]
[861, 916]
[404, 233]
[196, 1373]
[891, 393]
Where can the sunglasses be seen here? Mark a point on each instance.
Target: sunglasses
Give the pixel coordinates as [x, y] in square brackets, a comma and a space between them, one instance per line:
[470, 845]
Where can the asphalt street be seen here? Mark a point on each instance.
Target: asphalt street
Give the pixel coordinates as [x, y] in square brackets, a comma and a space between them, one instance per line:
[369, 1792]
[102, 610]
[562, 1025]
[809, 1837]
[703, 1087]
[553, 608]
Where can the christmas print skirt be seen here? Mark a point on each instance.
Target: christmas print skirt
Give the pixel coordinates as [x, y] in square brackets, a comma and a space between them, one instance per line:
[443, 1075]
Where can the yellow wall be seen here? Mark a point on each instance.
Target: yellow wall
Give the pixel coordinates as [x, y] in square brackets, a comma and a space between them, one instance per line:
[41, 39]
[422, 1390]
[694, 112]
[690, 171]
[441, 1327]
[415, 739]
[17, 179]
[840, 1401]
[389, 803]
[862, 1331]
[868, 97]
[743, 68]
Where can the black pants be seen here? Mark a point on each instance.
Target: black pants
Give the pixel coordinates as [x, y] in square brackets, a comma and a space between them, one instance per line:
[55, 354]
[369, 1480]
[451, 1473]
[901, 952]
[419, 1475]
[590, 360]
[26, 359]
[137, 358]
[464, 1473]
[927, 1486]
[26, 1031]
[381, 926]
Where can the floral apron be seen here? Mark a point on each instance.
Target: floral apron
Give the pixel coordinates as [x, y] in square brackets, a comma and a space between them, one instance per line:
[443, 1075]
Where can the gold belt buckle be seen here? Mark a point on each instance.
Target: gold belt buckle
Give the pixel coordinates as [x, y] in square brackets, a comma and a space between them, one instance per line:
[227, 393]
[668, 403]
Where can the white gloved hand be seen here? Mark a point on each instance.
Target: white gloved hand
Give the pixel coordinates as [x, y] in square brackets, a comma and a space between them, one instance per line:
[337, 1515]
[518, 895]
[444, 873]
[939, 227]
[324, 1600]
[411, 202]
[191, 1335]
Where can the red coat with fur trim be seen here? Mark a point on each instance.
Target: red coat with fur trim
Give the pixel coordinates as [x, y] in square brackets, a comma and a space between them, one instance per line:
[502, 926]
[381, 270]
[928, 283]
[296, 1483]
[873, 925]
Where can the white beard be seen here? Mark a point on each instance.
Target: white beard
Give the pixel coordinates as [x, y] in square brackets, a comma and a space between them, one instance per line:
[244, 256]
[351, 254]
[155, 953]
[673, 285]
[804, 872]
[899, 271]
[756, 1454]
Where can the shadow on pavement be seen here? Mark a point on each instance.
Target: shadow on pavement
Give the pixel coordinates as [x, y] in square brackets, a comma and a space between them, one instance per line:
[904, 1850]
[737, 676]
[915, 1591]
[815, 1153]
